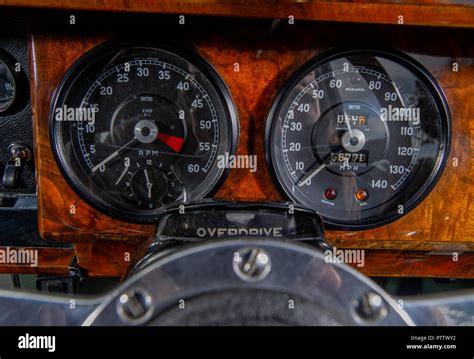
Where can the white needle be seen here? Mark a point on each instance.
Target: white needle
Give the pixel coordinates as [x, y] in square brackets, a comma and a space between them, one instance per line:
[311, 174]
[148, 184]
[113, 155]
[349, 127]
[123, 174]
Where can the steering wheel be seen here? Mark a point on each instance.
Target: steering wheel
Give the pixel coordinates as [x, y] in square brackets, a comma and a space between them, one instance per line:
[238, 280]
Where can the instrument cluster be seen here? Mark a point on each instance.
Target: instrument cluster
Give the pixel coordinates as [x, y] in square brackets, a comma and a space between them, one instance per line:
[360, 136]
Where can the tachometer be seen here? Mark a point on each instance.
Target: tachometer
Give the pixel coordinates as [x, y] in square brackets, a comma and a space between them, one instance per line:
[134, 128]
[359, 136]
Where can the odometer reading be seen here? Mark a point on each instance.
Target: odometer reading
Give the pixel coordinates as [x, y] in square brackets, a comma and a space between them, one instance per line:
[344, 158]
[358, 136]
[145, 129]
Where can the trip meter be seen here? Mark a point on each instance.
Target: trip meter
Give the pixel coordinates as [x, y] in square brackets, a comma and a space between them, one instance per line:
[134, 128]
[359, 136]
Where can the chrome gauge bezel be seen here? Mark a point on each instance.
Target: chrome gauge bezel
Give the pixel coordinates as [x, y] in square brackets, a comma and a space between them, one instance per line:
[410, 64]
[18, 84]
[187, 54]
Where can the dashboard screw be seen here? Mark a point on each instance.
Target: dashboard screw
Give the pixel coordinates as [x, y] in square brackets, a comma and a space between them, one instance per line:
[19, 151]
[253, 264]
[370, 307]
[135, 306]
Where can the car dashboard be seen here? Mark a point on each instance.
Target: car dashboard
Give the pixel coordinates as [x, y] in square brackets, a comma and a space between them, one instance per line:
[114, 115]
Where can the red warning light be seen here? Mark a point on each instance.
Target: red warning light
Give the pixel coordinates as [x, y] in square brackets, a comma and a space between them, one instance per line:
[330, 194]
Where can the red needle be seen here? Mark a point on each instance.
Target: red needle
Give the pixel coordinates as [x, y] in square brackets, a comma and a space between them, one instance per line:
[173, 142]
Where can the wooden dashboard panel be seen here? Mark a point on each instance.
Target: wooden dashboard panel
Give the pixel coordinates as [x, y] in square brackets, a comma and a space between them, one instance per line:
[409, 12]
[268, 53]
[63, 215]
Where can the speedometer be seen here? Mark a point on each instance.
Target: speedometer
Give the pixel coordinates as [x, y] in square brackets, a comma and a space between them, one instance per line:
[134, 128]
[359, 136]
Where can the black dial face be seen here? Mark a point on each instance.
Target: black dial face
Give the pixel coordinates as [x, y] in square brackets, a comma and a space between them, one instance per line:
[359, 136]
[136, 128]
[7, 86]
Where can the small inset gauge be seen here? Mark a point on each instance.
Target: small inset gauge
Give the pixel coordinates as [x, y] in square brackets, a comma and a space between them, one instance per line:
[151, 185]
[8, 86]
